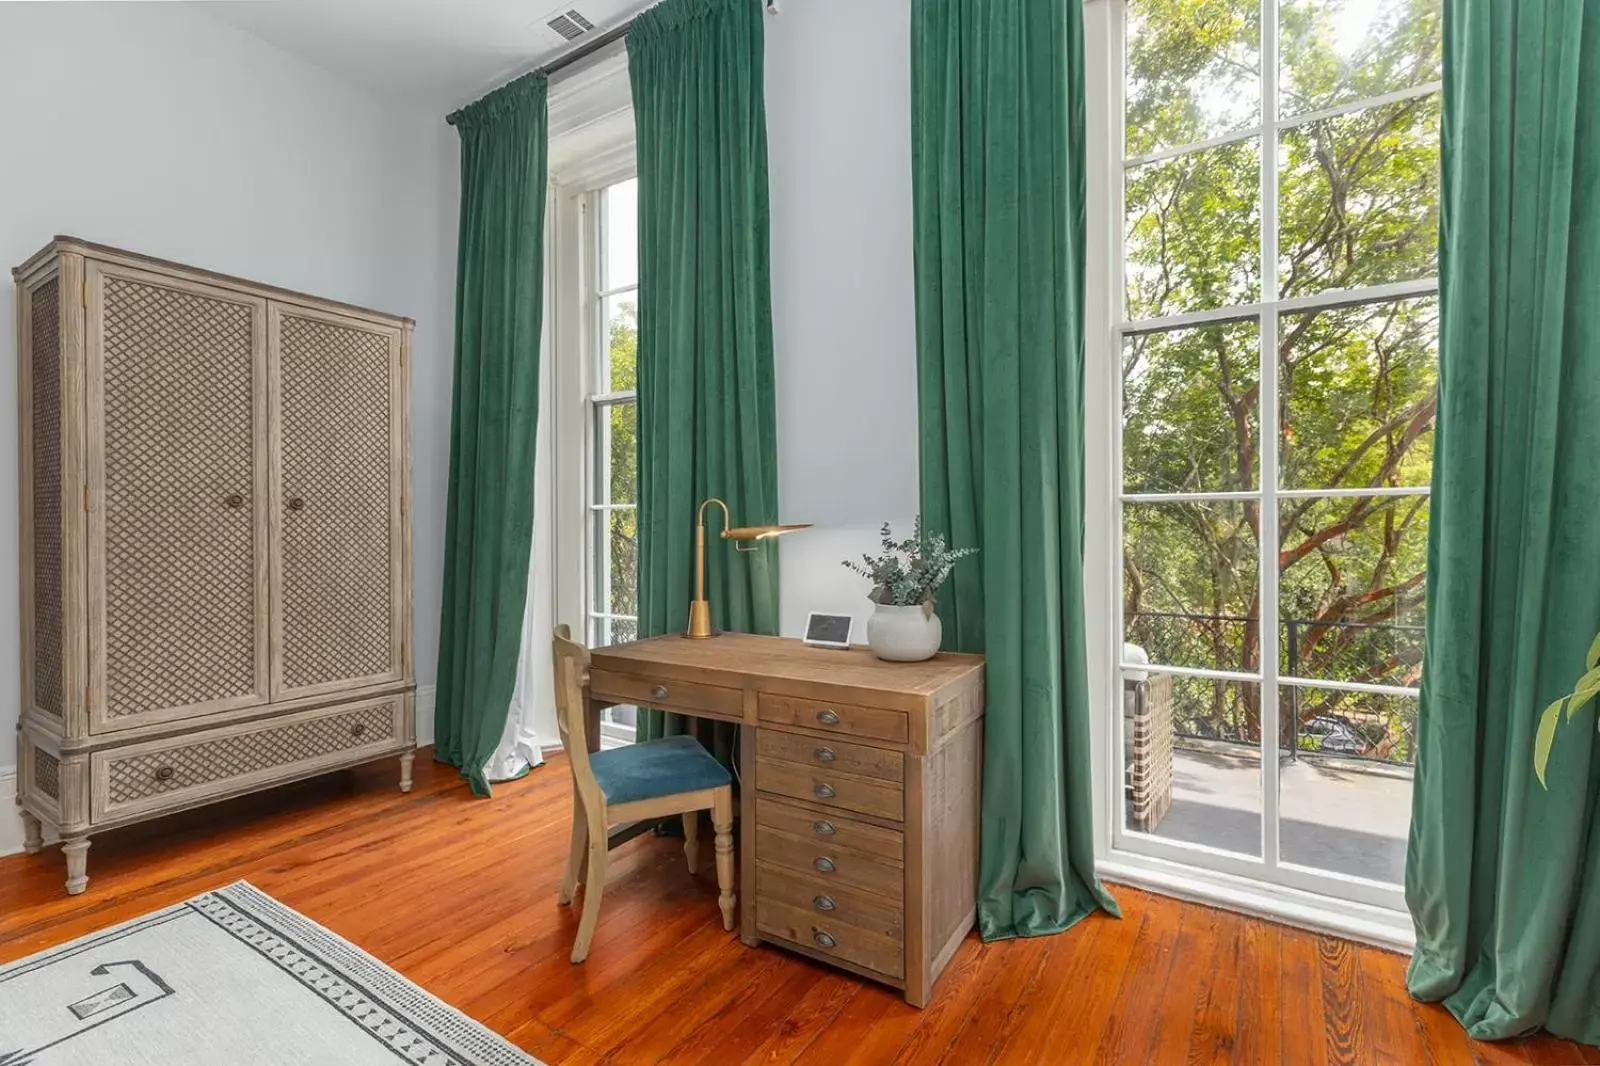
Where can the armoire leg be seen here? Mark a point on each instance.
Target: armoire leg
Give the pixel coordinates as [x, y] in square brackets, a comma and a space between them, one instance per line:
[76, 850]
[406, 762]
[32, 834]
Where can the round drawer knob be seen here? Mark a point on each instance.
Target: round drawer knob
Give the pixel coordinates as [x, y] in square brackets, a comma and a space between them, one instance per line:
[235, 501]
[824, 903]
[823, 829]
[828, 717]
[165, 774]
[659, 692]
[824, 864]
[824, 754]
[358, 729]
[824, 792]
[823, 940]
[296, 503]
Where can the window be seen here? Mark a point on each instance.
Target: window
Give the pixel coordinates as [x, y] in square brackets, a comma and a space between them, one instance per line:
[612, 413]
[1277, 337]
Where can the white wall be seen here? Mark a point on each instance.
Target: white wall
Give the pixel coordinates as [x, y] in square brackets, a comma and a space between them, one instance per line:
[839, 141]
[156, 128]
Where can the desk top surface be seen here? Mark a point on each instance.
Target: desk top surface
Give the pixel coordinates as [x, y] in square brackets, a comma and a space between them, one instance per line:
[789, 659]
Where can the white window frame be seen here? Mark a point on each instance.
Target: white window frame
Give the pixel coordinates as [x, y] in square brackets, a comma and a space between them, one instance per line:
[1351, 906]
[592, 147]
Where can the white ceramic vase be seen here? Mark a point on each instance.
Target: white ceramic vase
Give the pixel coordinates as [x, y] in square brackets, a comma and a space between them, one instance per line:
[904, 634]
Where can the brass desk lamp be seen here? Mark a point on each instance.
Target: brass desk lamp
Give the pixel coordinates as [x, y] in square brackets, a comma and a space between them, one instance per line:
[700, 609]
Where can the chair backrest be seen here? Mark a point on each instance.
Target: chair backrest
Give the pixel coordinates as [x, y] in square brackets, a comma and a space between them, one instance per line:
[571, 661]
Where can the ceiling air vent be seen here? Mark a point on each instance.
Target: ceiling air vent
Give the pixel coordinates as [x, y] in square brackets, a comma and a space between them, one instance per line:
[571, 25]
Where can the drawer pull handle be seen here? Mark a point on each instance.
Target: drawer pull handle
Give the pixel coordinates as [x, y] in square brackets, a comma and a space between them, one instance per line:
[824, 754]
[165, 774]
[358, 729]
[823, 829]
[235, 501]
[828, 717]
[823, 940]
[824, 903]
[296, 503]
[824, 864]
[824, 792]
[659, 692]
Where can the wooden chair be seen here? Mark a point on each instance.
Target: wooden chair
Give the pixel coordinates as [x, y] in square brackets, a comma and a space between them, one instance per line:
[674, 775]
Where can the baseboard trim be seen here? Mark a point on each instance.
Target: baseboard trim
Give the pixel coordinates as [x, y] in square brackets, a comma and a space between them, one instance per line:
[424, 703]
[1379, 927]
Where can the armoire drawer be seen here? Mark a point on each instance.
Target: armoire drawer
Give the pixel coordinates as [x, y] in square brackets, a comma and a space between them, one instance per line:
[181, 771]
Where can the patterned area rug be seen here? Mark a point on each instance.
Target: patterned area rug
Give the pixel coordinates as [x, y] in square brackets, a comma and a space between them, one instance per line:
[231, 977]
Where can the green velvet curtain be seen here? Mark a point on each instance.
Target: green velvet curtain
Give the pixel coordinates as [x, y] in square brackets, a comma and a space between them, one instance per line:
[998, 166]
[706, 410]
[494, 415]
[1503, 877]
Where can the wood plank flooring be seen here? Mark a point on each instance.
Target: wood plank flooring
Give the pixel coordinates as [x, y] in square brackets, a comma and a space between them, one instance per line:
[459, 895]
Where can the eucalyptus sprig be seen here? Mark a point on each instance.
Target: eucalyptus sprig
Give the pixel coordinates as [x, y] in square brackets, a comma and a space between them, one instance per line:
[909, 571]
[1586, 689]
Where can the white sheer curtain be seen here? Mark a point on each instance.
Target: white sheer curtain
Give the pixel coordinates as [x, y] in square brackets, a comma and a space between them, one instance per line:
[530, 723]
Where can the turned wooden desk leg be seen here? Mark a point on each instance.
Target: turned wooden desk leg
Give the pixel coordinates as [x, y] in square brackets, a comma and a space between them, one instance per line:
[76, 849]
[691, 840]
[32, 834]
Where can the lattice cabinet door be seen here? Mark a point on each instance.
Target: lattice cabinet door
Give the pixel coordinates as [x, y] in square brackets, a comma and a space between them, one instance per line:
[339, 613]
[178, 498]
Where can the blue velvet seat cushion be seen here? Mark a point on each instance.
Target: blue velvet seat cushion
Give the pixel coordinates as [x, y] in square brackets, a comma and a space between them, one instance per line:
[663, 767]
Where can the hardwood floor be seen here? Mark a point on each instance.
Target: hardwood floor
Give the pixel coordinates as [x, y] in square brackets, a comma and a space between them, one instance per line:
[460, 896]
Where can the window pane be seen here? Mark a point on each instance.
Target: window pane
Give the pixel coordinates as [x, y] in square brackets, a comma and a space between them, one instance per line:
[619, 422]
[1189, 583]
[1359, 389]
[1194, 231]
[1192, 758]
[619, 369]
[1190, 400]
[1351, 594]
[619, 235]
[1359, 198]
[1193, 71]
[624, 562]
[1338, 51]
[624, 630]
[1345, 781]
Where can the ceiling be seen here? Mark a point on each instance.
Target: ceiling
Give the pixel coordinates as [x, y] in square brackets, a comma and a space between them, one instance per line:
[439, 53]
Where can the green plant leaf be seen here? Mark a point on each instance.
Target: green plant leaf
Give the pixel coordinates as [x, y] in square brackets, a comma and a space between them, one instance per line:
[1545, 738]
[1584, 691]
[1593, 659]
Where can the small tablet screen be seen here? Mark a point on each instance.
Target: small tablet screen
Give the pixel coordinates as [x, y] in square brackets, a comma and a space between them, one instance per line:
[829, 628]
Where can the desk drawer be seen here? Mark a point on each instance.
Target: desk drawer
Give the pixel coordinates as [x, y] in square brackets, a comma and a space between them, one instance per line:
[883, 764]
[831, 788]
[846, 926]
[711, 701]
[829, 863]
[872, 723]
[834, 830]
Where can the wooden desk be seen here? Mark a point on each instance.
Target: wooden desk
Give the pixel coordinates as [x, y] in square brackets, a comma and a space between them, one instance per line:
[860, 784]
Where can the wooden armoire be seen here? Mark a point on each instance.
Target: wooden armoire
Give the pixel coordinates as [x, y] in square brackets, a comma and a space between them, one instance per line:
[215, 540]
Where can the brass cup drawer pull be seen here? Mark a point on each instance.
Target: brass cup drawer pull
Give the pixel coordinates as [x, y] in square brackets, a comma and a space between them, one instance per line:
[823, 940]
[828, 717]
[824, 903]
[164, 774]
[659, 692]
[359, 729]
[234, 500]
[823, 828]
[824, 864]
[824, 792]
[824, 755]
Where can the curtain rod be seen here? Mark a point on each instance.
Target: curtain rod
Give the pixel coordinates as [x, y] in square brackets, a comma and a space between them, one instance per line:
[616, 33]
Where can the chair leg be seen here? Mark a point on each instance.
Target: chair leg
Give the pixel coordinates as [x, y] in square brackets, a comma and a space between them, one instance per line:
[722, 822]
[594, 887]
[691, 840]
[576, 851]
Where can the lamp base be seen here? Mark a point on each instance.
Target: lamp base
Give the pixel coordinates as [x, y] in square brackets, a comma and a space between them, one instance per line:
[699, 621]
